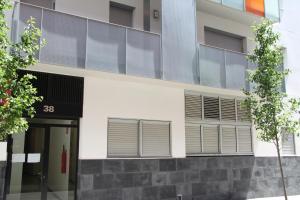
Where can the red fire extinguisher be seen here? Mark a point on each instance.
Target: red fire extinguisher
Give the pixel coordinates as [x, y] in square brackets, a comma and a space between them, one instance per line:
[63, 168]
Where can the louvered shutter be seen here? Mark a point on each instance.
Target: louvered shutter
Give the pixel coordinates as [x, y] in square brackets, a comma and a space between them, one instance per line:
[288, 144]
[228, 139]
[122, 137]
[228, 109]
[193, 138]
[155, 138]
[210, 139]
[242, 112]
[193, 107]
[211, 108]
[244, 139]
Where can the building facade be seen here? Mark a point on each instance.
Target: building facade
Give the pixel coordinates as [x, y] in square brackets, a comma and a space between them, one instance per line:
[142, 100]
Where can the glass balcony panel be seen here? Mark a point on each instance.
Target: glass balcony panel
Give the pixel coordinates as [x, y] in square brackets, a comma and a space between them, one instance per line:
[22, 14]
[256, 7]
[212, 66]
[236, 66]
[66, 39]
[237, 4]
[272, 9]
[143, 54]
[106, 47]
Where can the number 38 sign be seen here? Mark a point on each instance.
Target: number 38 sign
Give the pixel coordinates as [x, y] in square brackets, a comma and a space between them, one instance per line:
[48, 109]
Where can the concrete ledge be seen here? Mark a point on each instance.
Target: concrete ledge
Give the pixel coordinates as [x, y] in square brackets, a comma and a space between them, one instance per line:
[278, 198]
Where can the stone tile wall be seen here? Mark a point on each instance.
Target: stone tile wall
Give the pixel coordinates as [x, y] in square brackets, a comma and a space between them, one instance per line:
[195, 178]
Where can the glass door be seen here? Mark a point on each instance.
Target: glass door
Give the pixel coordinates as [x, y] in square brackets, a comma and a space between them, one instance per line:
[43, 163]
[29, 153]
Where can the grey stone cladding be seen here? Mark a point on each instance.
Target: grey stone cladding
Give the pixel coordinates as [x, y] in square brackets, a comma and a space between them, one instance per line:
[2, 178]
[195, 178]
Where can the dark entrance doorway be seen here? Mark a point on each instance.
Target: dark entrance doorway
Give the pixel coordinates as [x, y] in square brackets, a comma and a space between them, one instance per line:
[43, 161]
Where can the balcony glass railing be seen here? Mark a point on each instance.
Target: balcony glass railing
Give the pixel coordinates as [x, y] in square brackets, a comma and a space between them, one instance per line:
[264, 8]
[89, 44]
[85, 43]
[222, 68]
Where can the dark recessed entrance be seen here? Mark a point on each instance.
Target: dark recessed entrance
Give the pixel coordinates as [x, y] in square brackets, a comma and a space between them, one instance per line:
[43, 161]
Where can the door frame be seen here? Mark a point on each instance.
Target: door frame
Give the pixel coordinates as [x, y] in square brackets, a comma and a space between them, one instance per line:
[47, 127]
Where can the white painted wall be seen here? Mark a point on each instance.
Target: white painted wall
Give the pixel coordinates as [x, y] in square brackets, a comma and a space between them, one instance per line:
[226, 25]
[105, 99]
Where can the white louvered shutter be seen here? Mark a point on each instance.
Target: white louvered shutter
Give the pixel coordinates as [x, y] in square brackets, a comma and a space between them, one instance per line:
[210, 139]
[228, 139]
[193, 138]
[155, 138]
[122, 137]
[242, 112]
[228, 109]
[211, 108]
[244, 139]
[193, 107]
[288, 144]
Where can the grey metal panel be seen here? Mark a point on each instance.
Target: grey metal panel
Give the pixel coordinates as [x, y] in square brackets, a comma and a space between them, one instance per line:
[155, 138]
[143, 54]
[236, 66]
[288, 144]
[122, 137]
[228, 109]
[244, 139]
[179, 41]
[212, 66]
[106, 47]
[211, 108]
[193, 138]
[66, 39]
[210, 139]
[228, 139]
[193, 107]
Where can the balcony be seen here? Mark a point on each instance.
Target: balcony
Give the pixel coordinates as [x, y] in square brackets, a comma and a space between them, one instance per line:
[78, 42]
[86, 43]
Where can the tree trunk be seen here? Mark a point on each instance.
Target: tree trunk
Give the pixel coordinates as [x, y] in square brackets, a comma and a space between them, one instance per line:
[280, 166]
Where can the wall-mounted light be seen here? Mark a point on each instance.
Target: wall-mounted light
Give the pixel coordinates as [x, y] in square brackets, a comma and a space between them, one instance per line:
[155, 14]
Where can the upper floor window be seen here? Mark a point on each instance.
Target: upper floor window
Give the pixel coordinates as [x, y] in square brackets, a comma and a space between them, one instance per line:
[288, 144]
[120, 14]
[138, 138]
[223, 40]
[50, 4]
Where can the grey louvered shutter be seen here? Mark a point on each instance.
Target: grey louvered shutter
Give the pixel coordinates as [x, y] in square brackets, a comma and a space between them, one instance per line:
[193, 138]
[211, 108]
[288, 144]
[122, 137]
[244, 139]
[228, 109]
[228, 139]
[242, 112]
[155, 138]
[193, 107]
[210, 138]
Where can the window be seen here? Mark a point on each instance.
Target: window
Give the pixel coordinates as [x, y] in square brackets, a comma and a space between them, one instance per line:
[120, 14]
[138, 138]
[288, 144]
[223, 40]
[256, 7]
[223, 127]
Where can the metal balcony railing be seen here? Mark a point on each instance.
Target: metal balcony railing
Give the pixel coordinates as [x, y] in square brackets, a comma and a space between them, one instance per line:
[90, 44]
[86, 43]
